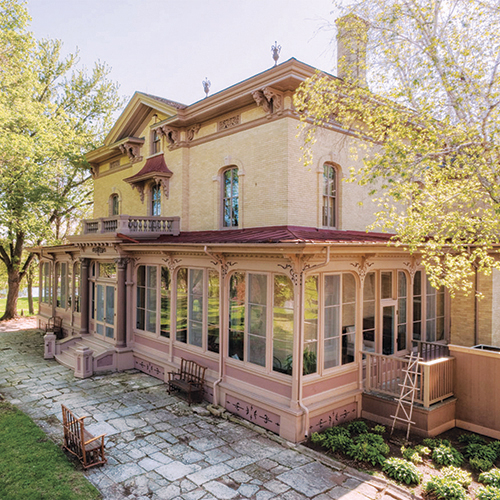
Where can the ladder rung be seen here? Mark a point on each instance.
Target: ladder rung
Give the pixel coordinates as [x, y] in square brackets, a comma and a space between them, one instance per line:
[403, 420]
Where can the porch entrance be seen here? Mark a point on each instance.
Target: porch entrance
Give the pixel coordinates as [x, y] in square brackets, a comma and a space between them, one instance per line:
[393, 329]
[105, 311]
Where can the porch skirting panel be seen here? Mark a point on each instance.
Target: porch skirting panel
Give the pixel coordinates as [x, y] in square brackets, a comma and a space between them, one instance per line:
[429, 422]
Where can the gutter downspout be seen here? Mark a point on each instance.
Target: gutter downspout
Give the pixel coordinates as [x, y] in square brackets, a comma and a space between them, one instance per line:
[221, 347]
[301, 339]
[476, 307]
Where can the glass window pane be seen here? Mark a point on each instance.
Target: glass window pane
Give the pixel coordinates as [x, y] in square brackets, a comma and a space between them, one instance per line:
[332, 322]
[110, 305]
[348, 288]
[348, 318]
[141, 276]
[386, 277]
[151, 276]
[165, 302]
[369, 287]
[332, 290]
[310, 358]
[282, 356]
[257, 320]
[195, 333]
[100, 303]
[331, 353]
[417, 283]
[401, 284]
[348, 351]
[257, 288]
[257, 350]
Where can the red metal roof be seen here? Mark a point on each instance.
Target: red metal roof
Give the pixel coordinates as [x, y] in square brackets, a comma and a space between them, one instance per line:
[154, 165]
[273, 234]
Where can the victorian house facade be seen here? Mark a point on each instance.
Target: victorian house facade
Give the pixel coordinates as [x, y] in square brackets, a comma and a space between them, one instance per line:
[211, 241]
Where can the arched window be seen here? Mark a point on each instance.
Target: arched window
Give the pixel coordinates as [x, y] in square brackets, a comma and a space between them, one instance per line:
[155, 200]
[115, 205]
[329, 196]
[230, 198]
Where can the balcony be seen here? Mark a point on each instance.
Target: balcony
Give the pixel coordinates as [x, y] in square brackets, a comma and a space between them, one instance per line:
[385, 374]
[133, 226]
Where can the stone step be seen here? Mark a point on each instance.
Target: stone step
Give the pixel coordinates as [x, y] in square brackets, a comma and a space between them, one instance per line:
[66, 359]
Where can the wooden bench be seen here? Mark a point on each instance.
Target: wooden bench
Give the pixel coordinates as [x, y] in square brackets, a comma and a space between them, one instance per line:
[189, 379]
[54, 325]
[79, 442]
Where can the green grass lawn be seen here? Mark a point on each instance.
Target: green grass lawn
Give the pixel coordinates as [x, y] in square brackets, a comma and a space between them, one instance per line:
[32, 467]
[22, 306]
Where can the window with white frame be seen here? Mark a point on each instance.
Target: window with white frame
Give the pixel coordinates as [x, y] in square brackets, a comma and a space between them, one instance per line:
[230, 197]
[197, 311]
[339, 320]
[76, 280]
[114, 205]
[61, 285]
[153, 306]
[329, 196]
[369, 296]
[46, 289]
[155, 142]
[428, 310]
[155, 200]
[261, 320]
[311, 303]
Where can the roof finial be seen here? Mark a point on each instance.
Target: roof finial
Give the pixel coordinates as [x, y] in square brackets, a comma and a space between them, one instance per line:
[206, 86]
[276, 49]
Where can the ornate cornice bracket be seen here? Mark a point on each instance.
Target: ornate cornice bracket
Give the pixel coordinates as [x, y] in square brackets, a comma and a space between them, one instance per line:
[362, 268]
[223, 264]
[171, 261]
[412, 267]
[269, 99]
[170, 134]
[132, 150]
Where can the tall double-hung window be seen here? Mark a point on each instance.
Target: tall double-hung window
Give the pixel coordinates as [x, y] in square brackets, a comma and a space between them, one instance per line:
[428, 310]
[156, 200]
[197, 312]
[153, 300]
[230, 198]
[261, 320]
[329, 196]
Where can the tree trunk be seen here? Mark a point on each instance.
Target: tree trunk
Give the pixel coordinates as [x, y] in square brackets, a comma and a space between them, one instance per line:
[12, 295]
[29, 282]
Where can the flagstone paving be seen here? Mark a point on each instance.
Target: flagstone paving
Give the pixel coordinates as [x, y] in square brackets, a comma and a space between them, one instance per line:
[159, 448]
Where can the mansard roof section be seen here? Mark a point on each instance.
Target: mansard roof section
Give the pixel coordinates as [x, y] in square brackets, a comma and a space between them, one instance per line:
[136, 111]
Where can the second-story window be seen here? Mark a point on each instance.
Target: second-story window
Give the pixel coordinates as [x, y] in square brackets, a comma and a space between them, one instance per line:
[155, 142]
[329, 196]
[115, 205]
[230, 198]
[155, 200]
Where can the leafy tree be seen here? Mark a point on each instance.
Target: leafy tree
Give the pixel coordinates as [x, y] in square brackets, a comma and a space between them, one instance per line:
[430, 126]
[50, 114]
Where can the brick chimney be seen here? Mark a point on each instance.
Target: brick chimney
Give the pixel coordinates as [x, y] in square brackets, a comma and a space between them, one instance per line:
[352, 39]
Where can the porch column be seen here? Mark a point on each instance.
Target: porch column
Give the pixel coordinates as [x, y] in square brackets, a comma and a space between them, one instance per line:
[84, 295]
[121, 303]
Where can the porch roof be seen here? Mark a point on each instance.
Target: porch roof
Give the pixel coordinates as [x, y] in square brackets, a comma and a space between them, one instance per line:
[273, 234]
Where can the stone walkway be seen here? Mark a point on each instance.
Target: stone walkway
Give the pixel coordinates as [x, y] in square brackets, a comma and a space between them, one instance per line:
[159, 448]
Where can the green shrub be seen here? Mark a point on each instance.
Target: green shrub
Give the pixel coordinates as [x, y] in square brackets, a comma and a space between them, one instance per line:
[434, 443]
[334, 439]
[495, 446]
[402, 471]
[471, 439]
[458, 475]
[445, 489]
[488, 493]
[380, 429]
[411, 454]
[357, 427]
[475, 450]
[482, 464]
[422, 450]
[447, 455]
[369, 448]
[491, 477]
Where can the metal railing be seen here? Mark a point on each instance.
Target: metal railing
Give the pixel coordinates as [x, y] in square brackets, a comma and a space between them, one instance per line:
[384, 374]
[135, 226]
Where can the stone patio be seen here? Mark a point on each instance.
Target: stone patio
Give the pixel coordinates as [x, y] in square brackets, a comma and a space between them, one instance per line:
[159, 448]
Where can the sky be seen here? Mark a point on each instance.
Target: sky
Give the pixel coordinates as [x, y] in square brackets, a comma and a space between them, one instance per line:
[168, 47]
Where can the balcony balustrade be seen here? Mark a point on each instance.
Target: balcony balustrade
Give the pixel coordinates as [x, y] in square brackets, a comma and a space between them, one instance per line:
[133, 226]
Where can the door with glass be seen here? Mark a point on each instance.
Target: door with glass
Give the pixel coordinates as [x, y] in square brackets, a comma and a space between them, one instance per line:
[105, 314]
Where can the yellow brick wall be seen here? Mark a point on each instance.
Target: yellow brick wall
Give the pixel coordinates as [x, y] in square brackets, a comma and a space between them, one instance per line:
[275, 188]
[462, 317]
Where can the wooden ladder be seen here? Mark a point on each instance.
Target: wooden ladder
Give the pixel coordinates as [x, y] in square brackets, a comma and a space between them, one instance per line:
[406, 399]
